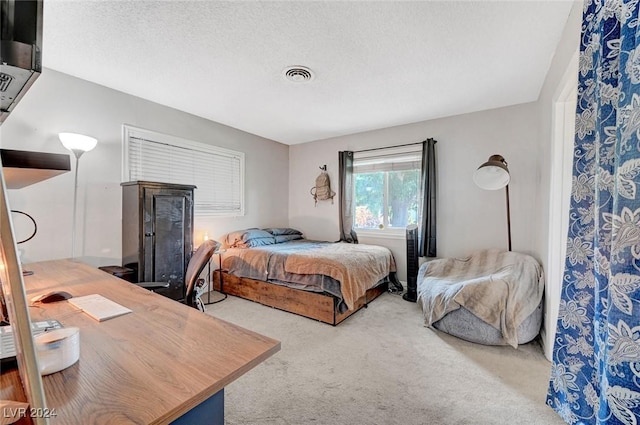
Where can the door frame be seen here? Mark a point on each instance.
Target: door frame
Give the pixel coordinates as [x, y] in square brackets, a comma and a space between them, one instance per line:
[563, 135]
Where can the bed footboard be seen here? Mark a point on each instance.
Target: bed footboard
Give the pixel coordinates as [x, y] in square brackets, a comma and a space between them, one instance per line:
[314, 305]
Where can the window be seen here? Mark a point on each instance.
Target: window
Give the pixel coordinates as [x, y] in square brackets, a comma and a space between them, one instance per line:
[386, 188]
[217, 173]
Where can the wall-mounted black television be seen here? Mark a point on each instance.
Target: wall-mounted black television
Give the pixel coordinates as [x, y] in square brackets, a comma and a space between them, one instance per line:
[20, 50]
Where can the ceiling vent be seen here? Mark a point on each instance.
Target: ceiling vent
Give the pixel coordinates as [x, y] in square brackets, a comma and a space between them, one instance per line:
[298, 74]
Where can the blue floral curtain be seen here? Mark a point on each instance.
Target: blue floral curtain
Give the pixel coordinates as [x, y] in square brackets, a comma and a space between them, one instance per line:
[595, 376]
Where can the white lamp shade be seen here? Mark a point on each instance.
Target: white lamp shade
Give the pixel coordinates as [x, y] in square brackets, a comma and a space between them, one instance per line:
[493, 174]
[77, 142]
[491, 177]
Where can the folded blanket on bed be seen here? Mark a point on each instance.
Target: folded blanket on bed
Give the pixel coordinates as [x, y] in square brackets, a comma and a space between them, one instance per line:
[501, 288]
[357, 267]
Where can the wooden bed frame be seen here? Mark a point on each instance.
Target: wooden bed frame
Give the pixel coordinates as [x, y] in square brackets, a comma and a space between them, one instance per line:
[314, 305]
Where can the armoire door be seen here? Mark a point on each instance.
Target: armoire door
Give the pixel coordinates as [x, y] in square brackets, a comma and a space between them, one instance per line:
[167, 238]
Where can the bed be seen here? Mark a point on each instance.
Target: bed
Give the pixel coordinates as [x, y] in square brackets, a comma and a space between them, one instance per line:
[325, 281]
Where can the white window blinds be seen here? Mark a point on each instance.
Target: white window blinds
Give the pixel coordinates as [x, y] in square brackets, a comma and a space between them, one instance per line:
[388, 159]
[217, 173]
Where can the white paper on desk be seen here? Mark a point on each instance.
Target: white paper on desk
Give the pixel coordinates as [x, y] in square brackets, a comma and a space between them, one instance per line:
[99, 307]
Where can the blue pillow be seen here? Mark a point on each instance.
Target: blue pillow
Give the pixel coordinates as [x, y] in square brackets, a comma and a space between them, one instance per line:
[251, 234]
[256, 242]
[277, 231]
[232, 238]
[287, 238]
[243, 238]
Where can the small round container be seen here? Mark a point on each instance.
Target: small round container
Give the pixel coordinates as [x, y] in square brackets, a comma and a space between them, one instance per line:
[57, 349]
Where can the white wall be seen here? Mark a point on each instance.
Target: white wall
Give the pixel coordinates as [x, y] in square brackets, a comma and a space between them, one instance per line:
[59, 102]
[469, 218]
[551, 89]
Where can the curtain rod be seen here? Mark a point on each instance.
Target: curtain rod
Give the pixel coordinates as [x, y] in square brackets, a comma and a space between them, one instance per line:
[395, 146]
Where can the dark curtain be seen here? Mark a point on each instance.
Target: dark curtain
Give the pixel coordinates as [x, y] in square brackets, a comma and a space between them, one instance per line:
[345, 177]
[427, 244]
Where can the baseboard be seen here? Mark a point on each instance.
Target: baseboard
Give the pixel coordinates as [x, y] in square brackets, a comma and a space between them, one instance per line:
[548, 351]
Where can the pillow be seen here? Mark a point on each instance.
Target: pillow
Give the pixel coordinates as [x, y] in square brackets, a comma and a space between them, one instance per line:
[276, 231]
[256, 242]
[244, 237]
[286, 238]
[251, 234]
[232, 238]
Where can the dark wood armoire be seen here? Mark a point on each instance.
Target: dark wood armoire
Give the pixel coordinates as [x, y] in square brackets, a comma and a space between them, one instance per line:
[157, 233]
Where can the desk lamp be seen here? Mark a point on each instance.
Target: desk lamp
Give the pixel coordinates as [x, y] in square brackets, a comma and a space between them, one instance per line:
[78, 144]
[494, 175]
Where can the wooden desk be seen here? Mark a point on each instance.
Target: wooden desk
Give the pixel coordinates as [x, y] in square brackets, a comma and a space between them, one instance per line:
[146, 367]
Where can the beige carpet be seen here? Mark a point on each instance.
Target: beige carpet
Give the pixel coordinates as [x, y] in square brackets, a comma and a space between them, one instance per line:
[381, 366]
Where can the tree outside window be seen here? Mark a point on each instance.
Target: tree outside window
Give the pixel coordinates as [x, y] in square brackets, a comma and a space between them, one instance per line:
[386, 199]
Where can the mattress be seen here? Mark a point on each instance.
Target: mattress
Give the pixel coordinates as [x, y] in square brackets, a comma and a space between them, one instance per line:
[343, 270]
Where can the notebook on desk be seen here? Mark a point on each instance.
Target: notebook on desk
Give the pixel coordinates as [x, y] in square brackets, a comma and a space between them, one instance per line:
[99, 307]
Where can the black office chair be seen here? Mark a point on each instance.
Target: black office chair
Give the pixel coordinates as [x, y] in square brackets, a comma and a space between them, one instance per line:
[197, 263]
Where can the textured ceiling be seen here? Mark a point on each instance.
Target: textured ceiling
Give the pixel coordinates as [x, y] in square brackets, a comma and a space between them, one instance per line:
[376, 64]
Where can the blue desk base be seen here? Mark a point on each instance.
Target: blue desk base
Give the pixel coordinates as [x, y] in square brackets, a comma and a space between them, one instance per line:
[209, 412]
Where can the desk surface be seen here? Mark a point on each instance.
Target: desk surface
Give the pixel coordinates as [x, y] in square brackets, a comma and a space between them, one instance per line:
[150, 366]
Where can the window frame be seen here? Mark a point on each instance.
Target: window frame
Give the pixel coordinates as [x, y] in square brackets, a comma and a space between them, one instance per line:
[386, 232]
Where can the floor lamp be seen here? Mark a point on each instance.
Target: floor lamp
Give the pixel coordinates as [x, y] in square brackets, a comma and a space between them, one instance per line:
[78, 144]
[494, 175]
